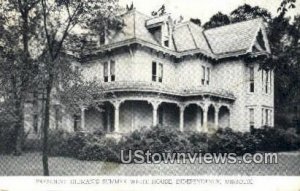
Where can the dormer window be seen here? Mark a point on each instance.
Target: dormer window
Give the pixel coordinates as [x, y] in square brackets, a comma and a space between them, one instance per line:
[161, 29]
[166, 43]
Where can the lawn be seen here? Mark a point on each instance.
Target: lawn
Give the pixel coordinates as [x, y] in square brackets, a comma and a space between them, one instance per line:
[31, 164]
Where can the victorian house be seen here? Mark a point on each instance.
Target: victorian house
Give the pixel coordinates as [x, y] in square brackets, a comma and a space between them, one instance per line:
[158, 72]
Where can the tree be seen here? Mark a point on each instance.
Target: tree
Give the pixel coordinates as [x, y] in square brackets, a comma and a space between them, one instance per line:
[219, 19]
[98, 14]
[19, 20]
[196, 21]
[247, 12]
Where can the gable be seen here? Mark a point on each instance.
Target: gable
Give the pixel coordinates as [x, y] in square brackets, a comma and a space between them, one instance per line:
[233, 38]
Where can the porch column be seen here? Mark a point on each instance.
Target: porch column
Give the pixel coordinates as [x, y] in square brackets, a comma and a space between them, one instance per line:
[83, 118]
[116, 119]
[205, 113]
[155, 106]
[181, 117]
[217, 109]
[108, 112]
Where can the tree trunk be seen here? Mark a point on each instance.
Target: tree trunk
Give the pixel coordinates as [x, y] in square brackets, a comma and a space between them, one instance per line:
[19, 126]
[46, 127]
[19, 115]
[19, 92]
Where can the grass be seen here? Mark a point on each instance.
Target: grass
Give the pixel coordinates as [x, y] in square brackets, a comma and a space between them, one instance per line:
[30, 164]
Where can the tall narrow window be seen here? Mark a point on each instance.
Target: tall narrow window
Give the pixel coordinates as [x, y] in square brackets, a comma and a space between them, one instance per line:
[203, 75]
[102, 38]
[267, 82]
[35, 122]
[267, 116]
[112, 70]
[263, 80]
[154, 71]
[262, 117]
[251, 83]
[105, 72]
[270, 89]
[251, 117]
[157, 72]
[208, 76]
[109, 71]
[76, 122]
[160, 72]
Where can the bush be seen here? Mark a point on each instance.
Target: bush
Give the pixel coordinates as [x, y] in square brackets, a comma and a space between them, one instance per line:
[103, 150]
[228, 141]
[198, 142]
[7, 138]
[157, 139]
[62, 143]
[276, 139]
[32, 145]
[94, 146]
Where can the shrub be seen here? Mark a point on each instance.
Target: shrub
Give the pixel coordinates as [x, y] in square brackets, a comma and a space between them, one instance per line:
[103, 150]
[62, 143]
[228, 141]
[276, 139]
[198, 142]
[32, 145]
[94, 146]
[156, 140]
[7, 138]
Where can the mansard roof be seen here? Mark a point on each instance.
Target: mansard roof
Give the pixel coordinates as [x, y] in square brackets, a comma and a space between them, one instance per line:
[187, 38]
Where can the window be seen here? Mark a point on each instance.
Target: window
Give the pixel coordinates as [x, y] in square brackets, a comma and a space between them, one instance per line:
[35, 122]
[270, 83]
[76, 122]
[166, 43]
[208, 76]
[154, 71]
[160, 72]
[157, 72]
[251, 117]
[267, 116]
[102, 38]
[105, 71]
[267, 81]
[109, 71]
[251, 81]
[112, 70]
[262, 117]
[203, 75]
[205, 80]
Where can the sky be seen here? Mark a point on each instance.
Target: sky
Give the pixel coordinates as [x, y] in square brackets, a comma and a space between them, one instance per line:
[203, 9]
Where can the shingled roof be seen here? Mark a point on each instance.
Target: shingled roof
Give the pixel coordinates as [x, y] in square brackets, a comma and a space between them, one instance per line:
[230, 40]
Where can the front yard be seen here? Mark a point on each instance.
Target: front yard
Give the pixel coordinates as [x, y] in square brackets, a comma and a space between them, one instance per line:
[31, 164]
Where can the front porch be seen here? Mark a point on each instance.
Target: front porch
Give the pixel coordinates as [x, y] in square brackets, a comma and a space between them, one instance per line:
[128, 114]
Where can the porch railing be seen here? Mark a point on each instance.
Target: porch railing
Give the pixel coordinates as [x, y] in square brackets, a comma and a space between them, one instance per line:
[164, 88]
